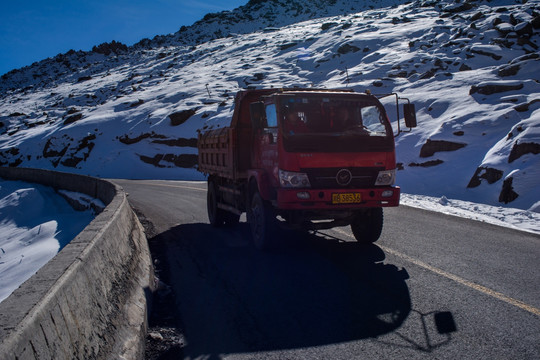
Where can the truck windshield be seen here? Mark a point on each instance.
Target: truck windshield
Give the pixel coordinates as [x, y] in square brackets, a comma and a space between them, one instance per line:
[336, 123]
[327, 115]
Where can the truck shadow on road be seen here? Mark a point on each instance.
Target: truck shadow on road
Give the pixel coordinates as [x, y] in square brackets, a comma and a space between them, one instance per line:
[312, 291]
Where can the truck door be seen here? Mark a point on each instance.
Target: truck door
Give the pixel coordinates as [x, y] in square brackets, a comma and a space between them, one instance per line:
[268, 144]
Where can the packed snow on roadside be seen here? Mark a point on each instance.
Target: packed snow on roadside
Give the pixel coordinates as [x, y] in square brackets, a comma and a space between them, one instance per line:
[517, 219]
[35, 224]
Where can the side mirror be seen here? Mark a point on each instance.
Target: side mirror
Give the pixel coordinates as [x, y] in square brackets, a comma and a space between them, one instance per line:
[410, 115]
[258, 115]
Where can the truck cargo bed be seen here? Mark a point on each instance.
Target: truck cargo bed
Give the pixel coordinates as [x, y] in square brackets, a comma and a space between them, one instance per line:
[215, 152]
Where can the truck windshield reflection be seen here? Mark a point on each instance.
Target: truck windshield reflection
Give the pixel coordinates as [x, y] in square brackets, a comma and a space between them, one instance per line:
[316, 115]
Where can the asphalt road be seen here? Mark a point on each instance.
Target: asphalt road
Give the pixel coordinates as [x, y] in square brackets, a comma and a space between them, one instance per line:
[434, 286]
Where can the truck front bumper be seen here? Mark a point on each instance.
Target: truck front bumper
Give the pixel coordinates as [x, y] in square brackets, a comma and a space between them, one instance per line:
[326, 199]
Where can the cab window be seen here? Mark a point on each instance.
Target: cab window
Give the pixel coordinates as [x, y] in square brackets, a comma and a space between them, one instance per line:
[271, 115]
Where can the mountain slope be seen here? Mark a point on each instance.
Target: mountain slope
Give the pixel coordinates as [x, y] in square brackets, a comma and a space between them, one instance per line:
[471, 69]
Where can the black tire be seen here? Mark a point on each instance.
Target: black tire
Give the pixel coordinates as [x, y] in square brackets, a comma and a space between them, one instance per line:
[367, 225]
[216, 216]
[231, 219]
[262, 222]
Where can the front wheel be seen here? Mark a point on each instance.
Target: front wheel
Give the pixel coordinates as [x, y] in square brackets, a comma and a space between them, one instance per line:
[262, 222]
[367, 225]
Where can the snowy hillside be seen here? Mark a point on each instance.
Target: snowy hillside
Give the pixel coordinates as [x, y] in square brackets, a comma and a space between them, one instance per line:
[471, 68]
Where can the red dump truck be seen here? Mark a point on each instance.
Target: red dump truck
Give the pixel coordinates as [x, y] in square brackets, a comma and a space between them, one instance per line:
[303, 159]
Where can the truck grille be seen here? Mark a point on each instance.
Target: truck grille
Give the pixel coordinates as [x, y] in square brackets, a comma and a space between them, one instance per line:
[325, 178]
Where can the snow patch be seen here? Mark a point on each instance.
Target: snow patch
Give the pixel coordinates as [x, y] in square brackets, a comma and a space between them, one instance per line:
[35, 223]
[518, 219]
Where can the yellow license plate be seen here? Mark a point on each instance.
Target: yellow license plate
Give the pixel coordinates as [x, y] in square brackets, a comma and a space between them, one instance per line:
[346, 198]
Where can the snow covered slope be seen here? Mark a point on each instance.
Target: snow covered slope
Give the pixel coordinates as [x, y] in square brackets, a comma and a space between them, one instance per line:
[472, 69]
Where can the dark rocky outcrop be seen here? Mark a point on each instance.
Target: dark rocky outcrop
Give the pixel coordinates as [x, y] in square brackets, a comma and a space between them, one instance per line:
[518, 150]
[328, 25]
[8, 157]
[509, 70]
[465, 6]
[178, 118]
[51, 150]
[525, 106]
[491, 175]
[347, 48]
[61, 151]
[287, 46]
[71, 119]
[433, 146]
[486, 53]
[112, 47]
[494, 88]
[507, 193]
[136, 103]
[429, 163]
[84, 78]
[125, 139]
[81, 152]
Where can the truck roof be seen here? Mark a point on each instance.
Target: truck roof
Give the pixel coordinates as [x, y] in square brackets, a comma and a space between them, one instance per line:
[263, 92]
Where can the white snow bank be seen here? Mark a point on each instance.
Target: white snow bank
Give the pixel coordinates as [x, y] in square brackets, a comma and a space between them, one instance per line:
[35, 223]
[81, 201]
[525, 220]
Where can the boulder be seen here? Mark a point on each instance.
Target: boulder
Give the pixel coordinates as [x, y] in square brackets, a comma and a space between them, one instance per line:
[507, 193]
[433, 146]
[429, 163]
[518, 150]
[178, 118]
[494, 88]
[347, 48]
[509, 70]
[491, 175]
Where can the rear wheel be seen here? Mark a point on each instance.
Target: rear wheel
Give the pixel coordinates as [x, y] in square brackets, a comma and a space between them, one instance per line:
[262, 222]
[367, 225]
[231, 219]
[216, 216]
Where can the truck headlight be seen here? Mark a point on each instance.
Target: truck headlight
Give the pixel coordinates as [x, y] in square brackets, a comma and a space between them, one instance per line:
[288, 179]
[386, 177]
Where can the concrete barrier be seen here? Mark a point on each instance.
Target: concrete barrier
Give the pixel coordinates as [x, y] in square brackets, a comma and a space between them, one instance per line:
[90, 300]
